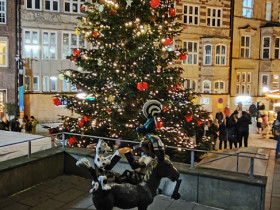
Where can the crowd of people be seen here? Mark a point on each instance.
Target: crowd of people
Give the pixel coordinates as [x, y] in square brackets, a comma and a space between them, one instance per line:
[26, 125]
[233, 128]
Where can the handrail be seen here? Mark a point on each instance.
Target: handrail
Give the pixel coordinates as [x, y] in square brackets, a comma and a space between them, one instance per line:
[22, 141]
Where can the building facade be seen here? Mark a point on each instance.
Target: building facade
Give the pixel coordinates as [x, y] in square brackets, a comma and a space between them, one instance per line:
[8, 70]
[206, 36]
[255, 51]
[48, 37]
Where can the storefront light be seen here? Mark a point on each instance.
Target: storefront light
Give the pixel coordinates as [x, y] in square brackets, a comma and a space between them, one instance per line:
[265, 89]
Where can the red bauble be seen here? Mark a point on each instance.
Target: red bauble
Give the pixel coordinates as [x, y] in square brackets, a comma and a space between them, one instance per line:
[76, 52]
[72, 140]
[85, 118]
[199, 122]
[172, 12]
[56, 101]
[183, 56]
[95, 34]
[159, 124]
[165, 108]
[81, 123]
[145, 85]
[73, 58]
[168, 42]
[83, 7]
[142, 86]
[188, 118]
[154, 3]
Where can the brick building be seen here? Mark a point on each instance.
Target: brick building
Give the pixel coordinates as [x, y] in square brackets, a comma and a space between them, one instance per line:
[8, 70]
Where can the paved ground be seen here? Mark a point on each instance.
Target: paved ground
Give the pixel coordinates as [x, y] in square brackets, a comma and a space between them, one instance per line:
[269, 167]
[71, 192]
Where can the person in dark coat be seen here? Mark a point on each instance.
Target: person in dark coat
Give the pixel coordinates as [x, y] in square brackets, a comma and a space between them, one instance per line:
[243, 129]
[15, 125]
[219, 116]
[253, 111]
[231, 124]
[223, 134]
[214, 131]
[4, 124]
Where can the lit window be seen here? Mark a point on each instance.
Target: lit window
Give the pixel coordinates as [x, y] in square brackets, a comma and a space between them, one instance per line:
[268, 9]
[3, 53]
[73, 6]
[207, 54]
[3, 11]
[46, 84]
[247, 10]
[220, 55]
[206, 86]
[245, 46]
[190, 84]
[192, 48]
[65, 85]
[266, 47]
[52, 5]
[49, 45]
[277, 48]
[31, 44]
[34, 4]
[27, 83]
[191, 15]
[53, 83]
[36, 83]
[70, 42]
[219, 87]
[214, 17]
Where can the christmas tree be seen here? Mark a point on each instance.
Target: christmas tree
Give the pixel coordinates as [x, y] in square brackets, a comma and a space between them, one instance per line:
[132, 60]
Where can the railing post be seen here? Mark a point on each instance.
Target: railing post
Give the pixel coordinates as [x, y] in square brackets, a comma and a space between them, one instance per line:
[251, 175]
[29, 149]
[63, 139]
[192, 159]
[237, 161]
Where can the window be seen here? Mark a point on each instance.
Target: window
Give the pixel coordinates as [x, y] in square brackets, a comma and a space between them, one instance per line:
[208, 55]
[46, 84]
[191, 14]
[245, 46]
[65, 85]
[31, 44]
[266, 48]
[243, 81]
[238, 77]
[3, 11]
[264, 80]
[206, 86]
[243, 89]
[70, 42]
[249, 77]
[248, 89]
[268, 11]
[74, 88]
[36, 83]
[192, 48]
[247, 10]
[3, 53]
[237, 89]
[190, 84]
[27, 83]
[53, 83]
[52, 5]
[243, 77]
[49, 45]
[220, 55]
[214, 17]
[73, 6]
[34, 4]
[277, 48]
[219, 87]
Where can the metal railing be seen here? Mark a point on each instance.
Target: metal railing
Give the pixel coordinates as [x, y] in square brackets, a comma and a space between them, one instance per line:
[192, 154]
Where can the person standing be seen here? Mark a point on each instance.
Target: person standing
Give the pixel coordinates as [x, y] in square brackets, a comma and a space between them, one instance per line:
[259, 124]
[27, 124]
[223, 134]
[34, 123]
[15, 125]
[265, 125]
[243, 129]
[219, 116]
[253, 111]
[214, 131]
[231, 123]
[226, 111]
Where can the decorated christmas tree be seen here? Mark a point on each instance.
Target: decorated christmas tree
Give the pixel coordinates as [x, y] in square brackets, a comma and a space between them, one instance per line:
[131, 60]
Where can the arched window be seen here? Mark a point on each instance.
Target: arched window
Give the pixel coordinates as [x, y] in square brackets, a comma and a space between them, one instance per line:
[220, 55]
[208, 54]
[206, 85]
[219, 87]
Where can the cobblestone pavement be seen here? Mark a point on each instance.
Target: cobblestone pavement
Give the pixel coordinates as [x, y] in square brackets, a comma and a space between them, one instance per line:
[71, 192]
